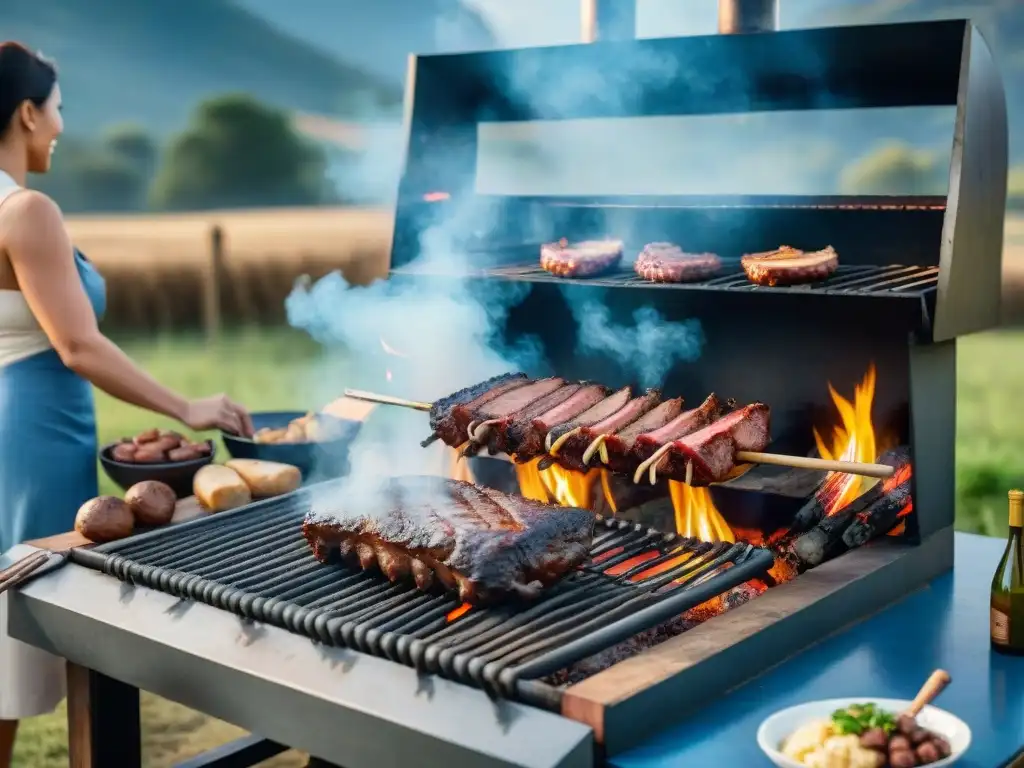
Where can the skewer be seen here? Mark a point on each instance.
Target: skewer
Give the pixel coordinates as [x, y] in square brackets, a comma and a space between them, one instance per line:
[863, 469]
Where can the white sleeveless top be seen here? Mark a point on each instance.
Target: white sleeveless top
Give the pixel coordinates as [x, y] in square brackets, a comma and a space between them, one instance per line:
[20, 333]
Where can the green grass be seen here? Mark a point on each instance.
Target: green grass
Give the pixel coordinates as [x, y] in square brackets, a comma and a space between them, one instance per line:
[281, 369]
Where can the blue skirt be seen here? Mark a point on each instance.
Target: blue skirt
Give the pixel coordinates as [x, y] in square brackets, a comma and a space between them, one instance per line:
[47, 448]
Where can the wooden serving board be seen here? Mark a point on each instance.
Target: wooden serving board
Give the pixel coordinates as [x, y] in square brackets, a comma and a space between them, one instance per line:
[189, 508]
[186, 509]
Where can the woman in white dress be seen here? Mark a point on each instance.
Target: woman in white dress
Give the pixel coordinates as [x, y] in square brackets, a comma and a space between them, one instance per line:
[51, 355]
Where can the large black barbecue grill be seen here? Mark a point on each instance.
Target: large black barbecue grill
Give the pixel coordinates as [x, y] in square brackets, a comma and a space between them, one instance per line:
[255, 563]
[916, 273]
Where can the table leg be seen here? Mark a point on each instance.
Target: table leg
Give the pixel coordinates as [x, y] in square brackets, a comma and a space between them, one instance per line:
[103, 721]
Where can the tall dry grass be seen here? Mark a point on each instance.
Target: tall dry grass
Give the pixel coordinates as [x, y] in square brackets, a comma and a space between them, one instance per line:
[156, 266]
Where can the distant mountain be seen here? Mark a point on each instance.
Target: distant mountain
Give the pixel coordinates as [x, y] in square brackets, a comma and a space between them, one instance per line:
[151, 62]
[378, 35]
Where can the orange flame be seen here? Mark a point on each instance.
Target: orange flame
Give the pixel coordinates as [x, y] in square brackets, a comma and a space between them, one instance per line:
[854, 439]
[458, 466]
[696, 514]
[557, 485]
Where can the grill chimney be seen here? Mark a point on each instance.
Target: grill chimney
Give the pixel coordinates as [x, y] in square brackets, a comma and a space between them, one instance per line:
[737, 17]
[607, 20]
[616, 19]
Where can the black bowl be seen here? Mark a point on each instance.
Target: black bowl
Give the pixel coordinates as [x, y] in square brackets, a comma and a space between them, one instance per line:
[325, 458]
[177, 474]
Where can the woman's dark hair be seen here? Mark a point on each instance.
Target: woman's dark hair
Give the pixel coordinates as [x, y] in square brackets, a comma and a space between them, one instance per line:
[24, 76]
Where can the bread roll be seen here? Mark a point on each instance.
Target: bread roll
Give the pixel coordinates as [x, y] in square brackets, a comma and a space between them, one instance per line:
[219, 488]
[267, 478]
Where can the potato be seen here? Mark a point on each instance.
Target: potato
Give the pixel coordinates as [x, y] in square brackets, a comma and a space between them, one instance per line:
[267, 478]
[105, 518]
[123, 452]
[148, 454]
[151, 502]
[219, 488]
[148, 436]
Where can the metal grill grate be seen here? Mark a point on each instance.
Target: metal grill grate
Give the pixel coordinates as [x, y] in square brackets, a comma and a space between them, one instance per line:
[893, 280]
[255, 563]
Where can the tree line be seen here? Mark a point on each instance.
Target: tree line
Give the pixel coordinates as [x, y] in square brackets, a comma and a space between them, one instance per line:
[235, 153]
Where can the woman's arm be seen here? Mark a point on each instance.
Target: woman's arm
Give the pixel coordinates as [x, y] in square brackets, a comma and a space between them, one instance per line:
[41, 254]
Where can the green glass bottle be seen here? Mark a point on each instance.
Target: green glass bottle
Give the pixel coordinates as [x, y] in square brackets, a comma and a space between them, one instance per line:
[1006, 623]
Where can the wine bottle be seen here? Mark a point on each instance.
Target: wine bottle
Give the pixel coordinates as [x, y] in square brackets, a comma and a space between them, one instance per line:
[1006, 622]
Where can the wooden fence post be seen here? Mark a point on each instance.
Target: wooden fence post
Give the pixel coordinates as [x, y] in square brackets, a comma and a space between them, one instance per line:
[212, 285]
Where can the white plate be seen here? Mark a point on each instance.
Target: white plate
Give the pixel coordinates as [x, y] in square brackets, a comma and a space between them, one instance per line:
[781, 725]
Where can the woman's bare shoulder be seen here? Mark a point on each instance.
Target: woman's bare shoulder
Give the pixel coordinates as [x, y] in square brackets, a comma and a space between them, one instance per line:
[29, 216]
[31, 203]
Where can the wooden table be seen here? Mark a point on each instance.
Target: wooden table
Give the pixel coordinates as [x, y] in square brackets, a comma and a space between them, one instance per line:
[98, 704]
[945, 626]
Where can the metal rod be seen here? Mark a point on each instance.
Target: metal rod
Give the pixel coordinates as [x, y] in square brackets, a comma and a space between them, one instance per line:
[738, 17]
[862, 469]
[607, 20]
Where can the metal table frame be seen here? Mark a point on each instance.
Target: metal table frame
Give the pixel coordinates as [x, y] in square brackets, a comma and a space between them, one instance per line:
[338, 705]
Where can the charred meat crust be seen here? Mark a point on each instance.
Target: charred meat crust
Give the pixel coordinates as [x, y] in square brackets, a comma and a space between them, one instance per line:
[529, 444]
[451, 427]
[494, 432]
[599, 411]
[496, 384]
[485, 545]
[686, 422]
[492, 403]
[712, 449]
[571, 452]
[619, 445]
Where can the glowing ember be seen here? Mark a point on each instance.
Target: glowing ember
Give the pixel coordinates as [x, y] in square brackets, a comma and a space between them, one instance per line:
[556, 485]
[853, 439]
[389, 350]
[462, 610]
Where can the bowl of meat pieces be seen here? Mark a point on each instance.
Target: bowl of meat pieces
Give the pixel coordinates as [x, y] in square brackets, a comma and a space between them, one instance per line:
[156, 454]
[316, 443]
[862, 733]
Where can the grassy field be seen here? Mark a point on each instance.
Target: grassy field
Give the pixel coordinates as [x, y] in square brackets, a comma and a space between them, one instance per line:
[282, 369]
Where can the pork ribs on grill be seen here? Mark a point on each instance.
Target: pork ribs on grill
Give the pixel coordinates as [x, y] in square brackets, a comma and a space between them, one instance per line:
[482, 544]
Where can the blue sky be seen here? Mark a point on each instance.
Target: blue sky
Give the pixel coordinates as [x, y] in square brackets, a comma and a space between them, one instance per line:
[548, 22]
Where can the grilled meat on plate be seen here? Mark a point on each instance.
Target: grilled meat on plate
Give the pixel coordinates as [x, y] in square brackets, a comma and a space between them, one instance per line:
[485, 545]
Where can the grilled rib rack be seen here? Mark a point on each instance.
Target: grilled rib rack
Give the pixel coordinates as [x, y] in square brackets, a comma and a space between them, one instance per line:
[254, 562]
